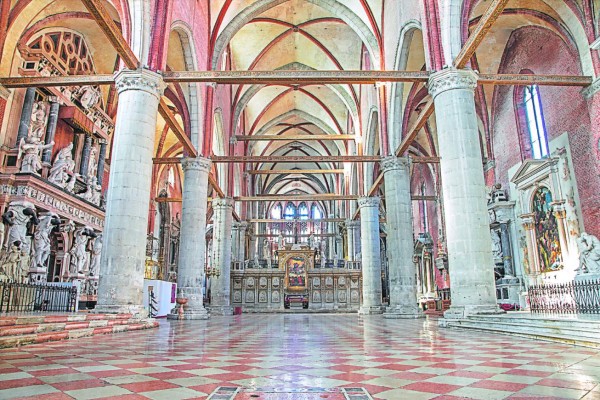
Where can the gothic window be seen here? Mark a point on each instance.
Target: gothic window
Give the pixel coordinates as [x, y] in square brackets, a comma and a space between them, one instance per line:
[316, 212]
[303, 211]
[290, 211]
[535, 122]
[276, 212]
[546, 231]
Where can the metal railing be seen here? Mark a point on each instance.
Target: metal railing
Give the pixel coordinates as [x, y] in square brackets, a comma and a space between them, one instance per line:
[48, 297]
[578, 297]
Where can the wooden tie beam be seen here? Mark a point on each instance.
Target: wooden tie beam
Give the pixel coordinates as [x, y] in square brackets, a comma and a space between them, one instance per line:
[292, 159]
[295, 171]
[252, 138]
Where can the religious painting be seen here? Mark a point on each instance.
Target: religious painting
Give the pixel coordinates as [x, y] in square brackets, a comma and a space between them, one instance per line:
[296, 273]
[546, 231]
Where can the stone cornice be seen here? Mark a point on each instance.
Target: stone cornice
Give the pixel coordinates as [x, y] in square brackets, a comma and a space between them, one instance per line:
[143, 80]
[392, 163]
[451, 79]
[590, 91]
[200, 163]
[369, 202]
[222, 202]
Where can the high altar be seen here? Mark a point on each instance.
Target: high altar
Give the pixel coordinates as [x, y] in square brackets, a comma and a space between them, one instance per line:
[295, 283]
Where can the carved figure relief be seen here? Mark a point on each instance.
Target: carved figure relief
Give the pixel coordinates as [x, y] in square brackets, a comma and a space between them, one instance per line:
[95, 256]
[30, 153]
[63, 167]
[589, 254]
[316, 297]
[78, 254]
[249, 297]
[342, 281]
[11, 264]
[354, 296]
[237, 296]
[237, 284]
[329, 296]
[275, 296]
[329, 281]
[275, 281]
[262, 296]
[262, 282]
[342, 296]
[250, 282]
[316, 282]
[41, 239]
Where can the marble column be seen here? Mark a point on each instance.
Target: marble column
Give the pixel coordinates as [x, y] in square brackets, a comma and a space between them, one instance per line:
[350, 229]
[243, 227]
[220, 299]
[121, 284]
[371, 255]
[26, 115]
[507, 260]
[235, 241]
[529, 225]
[190, 269]
[469, 243]
[402, 272]
[51, 130]
[101, 160]
[85, 156]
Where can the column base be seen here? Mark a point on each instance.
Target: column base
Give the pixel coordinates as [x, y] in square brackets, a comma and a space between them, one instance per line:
[403, 313]
[459, 312]
[370, 310]
[221, 310]
[195, 314]
[137, 311]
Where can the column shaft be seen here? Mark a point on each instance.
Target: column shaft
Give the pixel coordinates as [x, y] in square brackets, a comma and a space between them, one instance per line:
[101, 160]
[220, 301]
[507, 259]
[122, 265]
[51, 130]
[85, 155]
[402, 272]
[350, 227]
[242, 242]
[190, 269]
[465, 205]
[371, 255]
[26, 115]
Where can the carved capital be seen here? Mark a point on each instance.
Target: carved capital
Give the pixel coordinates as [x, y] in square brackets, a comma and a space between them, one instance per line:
[528, 221]
[451, 79]
[143, 80]
[369, 202]
[222, 203]
[199, 164]
[589, 91]
[393, 163]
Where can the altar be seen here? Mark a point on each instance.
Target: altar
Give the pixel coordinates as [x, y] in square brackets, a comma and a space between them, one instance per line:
[295, 283]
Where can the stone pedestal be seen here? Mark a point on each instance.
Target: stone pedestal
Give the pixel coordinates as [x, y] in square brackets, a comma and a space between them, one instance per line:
[190, 270]
[121, 284]
[371, 255]
[220, 297]
[465, 203]
[402, 274]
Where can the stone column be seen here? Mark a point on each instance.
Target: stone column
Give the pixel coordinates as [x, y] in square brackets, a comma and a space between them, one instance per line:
[371, 257]
[561, 214]
[190, 269]
[469, 243]
[122, 265]
[350, 228]
[235, 241]
[529, 224]
[402, 272]
[220, 301]
[509, 270]
[243, 226]
[101, 160]
[26, 115]
[51, 130]
[85, 155]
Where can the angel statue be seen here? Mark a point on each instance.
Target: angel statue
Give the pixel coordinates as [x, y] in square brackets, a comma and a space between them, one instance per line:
[589, 254]
[63, 166]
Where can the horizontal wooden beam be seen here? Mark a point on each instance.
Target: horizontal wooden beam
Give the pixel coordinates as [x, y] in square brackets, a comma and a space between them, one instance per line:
[425, 160]
[276, 221]
[292, 159]
[173, 124]
[424, 198]
[296, 197]
[251, 138]
[167, 160]
[485, 79]
[267, 235]
[295, 171]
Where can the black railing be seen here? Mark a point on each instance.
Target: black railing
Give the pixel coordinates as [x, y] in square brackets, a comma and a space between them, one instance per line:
[25, 297]
[578, 297]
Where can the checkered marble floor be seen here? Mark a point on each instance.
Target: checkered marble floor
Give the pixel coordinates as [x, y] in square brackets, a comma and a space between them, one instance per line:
[392, 359]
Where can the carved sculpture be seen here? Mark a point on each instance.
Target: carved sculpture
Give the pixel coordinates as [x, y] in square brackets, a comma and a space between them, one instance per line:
[32, 148]
[77, 252]
[589, 254]
[93, 191]
[93, 164]
[41, 239]
[12, 262]
[88, 96]
[496, 245]
[37, 126]
[20, 217]
[96, 253]
[70, 187]
[63, 167]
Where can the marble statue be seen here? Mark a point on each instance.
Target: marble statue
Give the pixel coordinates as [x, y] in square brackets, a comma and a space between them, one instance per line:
[93, 164]
[93, 191]
[63, 167]
[496, 245]
[311, 241]
[19, 217]
[589, 254]
[12, 261]
[88, 96]
[95, 256]
[70, 186]
[280, 241]
[30, 153]
[77, 252]
[37, 126]
[41, 239]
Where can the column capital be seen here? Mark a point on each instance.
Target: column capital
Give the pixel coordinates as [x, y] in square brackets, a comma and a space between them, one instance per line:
[4, 92]
[369, 202]
[222, 203]
[144, 80]
[393, 163]
[528, 221]
[451, 79]
[351, 224]
[590, 91]
[243, 225]
[198, 163]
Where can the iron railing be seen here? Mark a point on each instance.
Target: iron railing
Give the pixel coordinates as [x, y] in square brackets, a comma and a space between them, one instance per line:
[48, 297]
[578, 297]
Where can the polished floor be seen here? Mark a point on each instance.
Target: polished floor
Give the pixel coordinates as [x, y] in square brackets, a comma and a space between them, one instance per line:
[391, 359]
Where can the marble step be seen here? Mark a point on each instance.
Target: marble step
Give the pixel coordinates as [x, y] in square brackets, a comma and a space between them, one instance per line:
[26, 329]
[558, 333]
[584, 322]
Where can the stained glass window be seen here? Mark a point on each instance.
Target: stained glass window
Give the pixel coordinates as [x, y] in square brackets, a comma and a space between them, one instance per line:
[535, 122]
[290, 211]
